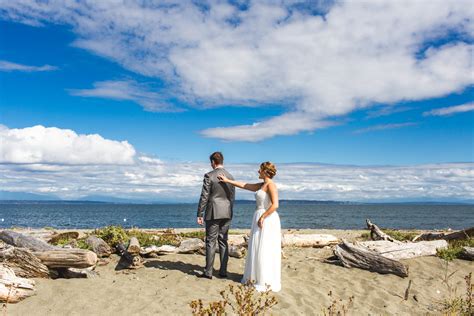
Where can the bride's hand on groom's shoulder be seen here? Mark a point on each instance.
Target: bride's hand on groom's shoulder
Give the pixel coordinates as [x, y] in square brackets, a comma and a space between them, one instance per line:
[222, 178]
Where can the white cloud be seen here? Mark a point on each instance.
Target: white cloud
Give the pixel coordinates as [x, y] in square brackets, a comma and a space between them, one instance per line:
[182, 181]
[59, 161]
[451, 110]
[384, 127]
[288, 124]
[128, 90]
[358, 54]
[9, 66]
[388, 110]
[39, 145]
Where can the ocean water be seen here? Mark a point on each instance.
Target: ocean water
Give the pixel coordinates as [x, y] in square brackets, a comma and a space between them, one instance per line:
[297, 215]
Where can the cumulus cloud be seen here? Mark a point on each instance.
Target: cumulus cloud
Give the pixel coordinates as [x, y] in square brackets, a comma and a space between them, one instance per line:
[39, 145]
[381, 127]
[9, 66]
[128, 90]
[450, 110]
[320, 62]
[148, 180]
[59, 161]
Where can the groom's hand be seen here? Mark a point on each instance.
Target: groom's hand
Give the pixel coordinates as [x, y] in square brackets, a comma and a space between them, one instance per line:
[200, 221]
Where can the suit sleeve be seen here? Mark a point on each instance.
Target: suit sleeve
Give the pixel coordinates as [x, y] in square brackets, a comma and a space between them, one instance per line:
[206, 190]
[232, 191]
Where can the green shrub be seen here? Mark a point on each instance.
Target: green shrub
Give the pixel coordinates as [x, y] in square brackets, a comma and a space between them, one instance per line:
[112, 235]
[146, 239]
[400, 234]
[63, 241]
[395, 234]
[454, 249]
[81, 244]
[196, 234]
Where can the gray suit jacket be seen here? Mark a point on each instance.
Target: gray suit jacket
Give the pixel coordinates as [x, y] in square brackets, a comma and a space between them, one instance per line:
[217, 198]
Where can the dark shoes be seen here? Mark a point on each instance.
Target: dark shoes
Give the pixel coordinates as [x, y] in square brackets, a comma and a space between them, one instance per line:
[205, 276]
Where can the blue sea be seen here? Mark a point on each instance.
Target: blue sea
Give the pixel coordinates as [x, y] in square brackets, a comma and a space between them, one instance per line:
[293, 215]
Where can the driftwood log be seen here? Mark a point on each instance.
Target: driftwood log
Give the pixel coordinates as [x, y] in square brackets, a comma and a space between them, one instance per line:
[467, 253]
[458, 235]
[133, 246]
[67, 258]
[429, 236]
[309, 240]
[159, 250]
[397, 251]
[356, 256]
[240, 240]
[23, 262]
[12, 288]
[128, 260]
[237, 251]
[376, 233]
[99, 246]
[191, 245]
[24, 241]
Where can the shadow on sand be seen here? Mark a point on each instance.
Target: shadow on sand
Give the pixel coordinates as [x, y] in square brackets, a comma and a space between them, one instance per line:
[188, 268]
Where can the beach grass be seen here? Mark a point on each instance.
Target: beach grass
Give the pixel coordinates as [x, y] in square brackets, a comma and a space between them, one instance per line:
[455, 249]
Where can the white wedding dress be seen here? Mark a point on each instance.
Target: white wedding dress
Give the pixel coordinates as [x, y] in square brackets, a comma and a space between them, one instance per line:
[263, 262]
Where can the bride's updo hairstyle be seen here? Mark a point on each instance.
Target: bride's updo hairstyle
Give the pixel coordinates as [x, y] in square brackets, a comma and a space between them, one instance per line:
[268, 169]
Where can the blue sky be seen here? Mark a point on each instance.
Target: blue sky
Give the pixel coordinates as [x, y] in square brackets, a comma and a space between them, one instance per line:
[182, 100]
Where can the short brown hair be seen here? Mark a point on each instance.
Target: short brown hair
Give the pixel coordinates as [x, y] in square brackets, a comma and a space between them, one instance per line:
[268, 168]
[217, 157]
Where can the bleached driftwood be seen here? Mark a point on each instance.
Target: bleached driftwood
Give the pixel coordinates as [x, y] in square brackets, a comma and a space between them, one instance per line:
[64, 235]
[133, 247]
[356, 256]
[237, 251]
[238, 240]
[12, 288]
[309, 240]
[467, 253]
[25, 241]
[99, 246]
[23, 262]
[234, 251]
[458, 235]
[407, 250]
[376, 233]
[128, 260]
[191, 245]
[42, 234]
[67, 258]
[160, 250]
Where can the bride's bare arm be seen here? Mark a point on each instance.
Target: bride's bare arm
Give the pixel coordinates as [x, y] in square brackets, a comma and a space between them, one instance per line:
[246, 186]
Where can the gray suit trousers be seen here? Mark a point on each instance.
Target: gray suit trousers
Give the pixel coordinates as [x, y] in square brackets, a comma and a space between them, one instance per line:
[217, 230]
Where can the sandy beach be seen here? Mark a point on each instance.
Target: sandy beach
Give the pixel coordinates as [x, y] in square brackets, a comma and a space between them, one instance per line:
[166, 285]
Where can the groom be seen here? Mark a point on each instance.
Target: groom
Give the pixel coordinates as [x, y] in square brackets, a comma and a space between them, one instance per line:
[216, 203]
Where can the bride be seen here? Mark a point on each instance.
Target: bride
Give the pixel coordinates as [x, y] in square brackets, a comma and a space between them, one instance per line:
[263, 262]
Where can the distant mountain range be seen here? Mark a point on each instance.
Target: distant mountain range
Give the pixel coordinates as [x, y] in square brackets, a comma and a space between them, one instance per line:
[28, 198]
